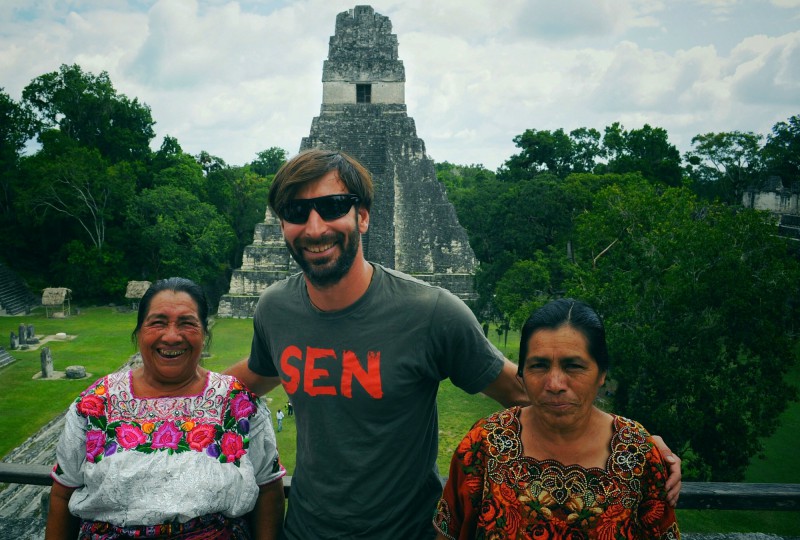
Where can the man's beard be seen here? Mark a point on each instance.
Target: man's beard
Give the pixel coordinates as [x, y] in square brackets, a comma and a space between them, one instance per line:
[328, 272]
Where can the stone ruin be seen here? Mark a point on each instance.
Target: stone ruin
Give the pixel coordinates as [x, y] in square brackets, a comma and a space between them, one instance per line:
[47, 363]
[413, 226]
[26, 337]
[134, 292]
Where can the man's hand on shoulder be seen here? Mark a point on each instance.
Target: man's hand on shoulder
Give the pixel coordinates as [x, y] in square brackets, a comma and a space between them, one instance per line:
[258, 384]
[507, 389]
[673, 485]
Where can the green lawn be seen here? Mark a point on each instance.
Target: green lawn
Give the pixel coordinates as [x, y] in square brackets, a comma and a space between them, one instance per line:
[102, 344]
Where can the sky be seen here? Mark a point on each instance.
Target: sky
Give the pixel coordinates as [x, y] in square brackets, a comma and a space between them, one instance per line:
[235, 78]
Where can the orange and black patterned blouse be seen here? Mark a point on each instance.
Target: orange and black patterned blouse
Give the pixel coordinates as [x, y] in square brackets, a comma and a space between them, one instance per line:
[496, 492]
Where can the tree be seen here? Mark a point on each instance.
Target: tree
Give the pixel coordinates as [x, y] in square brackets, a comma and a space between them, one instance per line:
[87, 109]
[555, 152]
[177, 235]
[269, 161]
[646, 150]
[77, 183]
[17, 126]
[586, 149]
[240, 195]
[724, 164]
[182, 171]
[462, 179]
[522, 289]
[210, 163]
[90, 274]
[698, 300]
[782, 151]
[542, 150]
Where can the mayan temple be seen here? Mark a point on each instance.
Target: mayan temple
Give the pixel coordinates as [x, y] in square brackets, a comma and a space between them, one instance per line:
[413, 227]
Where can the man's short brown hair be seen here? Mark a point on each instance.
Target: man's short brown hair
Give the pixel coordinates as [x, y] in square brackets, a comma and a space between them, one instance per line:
[311, 165]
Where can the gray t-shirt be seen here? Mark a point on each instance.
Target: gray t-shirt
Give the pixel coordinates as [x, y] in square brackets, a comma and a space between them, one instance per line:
[363, 382]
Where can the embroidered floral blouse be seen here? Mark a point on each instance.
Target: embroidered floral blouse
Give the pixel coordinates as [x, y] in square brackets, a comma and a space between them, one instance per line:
[146, 461]
[496, 492]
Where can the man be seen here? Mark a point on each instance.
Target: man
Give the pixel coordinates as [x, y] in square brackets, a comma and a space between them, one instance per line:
[361, 350]
[279, 416]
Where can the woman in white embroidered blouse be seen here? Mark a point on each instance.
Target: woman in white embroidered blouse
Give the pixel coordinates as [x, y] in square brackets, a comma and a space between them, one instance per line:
[169, 449]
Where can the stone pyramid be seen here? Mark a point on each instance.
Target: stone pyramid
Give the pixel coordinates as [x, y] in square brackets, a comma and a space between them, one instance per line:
[413, 227]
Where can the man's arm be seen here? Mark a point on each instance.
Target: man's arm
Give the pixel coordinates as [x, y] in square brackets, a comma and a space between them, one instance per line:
[673, 485]
[258, 384]
[507, 388]
[60, 523]
[266, 519]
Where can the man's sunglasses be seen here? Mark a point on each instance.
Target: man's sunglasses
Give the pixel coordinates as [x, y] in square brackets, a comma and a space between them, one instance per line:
[329, 207]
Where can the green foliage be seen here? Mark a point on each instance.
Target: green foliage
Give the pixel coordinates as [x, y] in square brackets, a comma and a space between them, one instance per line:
[92, 274]
[184, 172]
[543, 151]
[511, 221]
[177, 235]
[87, 109]
[698, 297]
[210, 163]
[698, 304]
[459, 180]
[89, 196]
[268, 161]
[554, 152]
[239, 195]
[782, 151]
[646, 151]
[76, 183]
[723, 165]
[523, 288]
[17, 126]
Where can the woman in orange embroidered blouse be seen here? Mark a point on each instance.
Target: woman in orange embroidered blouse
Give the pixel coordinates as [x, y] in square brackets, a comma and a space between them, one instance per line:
[560, 467]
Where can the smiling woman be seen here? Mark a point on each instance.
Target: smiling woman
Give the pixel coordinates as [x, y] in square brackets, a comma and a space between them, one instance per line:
[168, 449]
[170, 339]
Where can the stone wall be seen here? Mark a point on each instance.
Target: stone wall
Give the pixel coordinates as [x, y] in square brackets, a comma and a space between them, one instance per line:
[779, 200]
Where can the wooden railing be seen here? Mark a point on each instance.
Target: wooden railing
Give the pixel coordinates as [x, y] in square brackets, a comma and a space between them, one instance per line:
[694, 495]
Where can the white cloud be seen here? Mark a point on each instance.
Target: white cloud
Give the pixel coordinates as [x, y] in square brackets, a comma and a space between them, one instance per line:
[786, 3]
[569, 19]
[770, 70]
[234, 78]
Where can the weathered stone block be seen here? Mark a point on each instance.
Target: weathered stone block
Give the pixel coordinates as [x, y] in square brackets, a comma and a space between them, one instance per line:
[75, 372]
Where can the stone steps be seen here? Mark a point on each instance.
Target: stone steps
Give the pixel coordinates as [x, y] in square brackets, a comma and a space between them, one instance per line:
[15, 298]
[5, 357]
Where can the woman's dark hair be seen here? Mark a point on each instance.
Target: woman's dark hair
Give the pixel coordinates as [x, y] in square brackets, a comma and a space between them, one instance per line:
[311, 165]
[174, 284]
[574, 313]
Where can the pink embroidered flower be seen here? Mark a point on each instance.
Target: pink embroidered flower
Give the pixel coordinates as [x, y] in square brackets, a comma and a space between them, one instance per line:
[90, 405]
[95, 442]
[241, 406]
[130, 436]
[167, 436]
[232, 447]
[200, 437]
